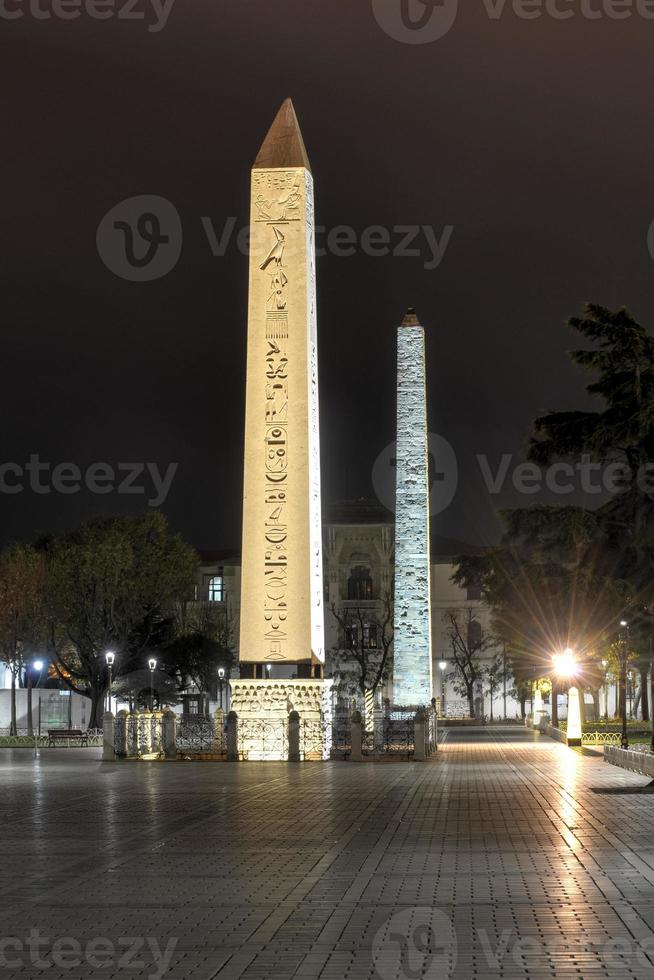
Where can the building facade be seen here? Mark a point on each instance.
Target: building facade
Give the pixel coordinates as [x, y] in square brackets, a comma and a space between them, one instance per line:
[358, 564]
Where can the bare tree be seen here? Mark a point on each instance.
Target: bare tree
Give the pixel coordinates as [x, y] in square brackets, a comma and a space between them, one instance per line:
[468, 643]
[371, 663]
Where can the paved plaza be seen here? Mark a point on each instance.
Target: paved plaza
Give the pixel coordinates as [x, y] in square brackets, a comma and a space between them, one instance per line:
[497, 858]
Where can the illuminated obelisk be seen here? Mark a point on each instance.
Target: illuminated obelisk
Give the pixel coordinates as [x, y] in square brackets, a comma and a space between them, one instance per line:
[412, 667]
[282, 617]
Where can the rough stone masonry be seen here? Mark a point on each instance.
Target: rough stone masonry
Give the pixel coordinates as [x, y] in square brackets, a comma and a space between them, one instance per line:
[412, 673]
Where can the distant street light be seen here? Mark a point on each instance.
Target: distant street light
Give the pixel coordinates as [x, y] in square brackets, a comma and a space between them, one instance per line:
[623, 648]
[221, 678]
[152, 663]
[110, 656]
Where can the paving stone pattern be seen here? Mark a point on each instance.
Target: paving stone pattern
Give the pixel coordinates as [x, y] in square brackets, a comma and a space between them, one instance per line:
[496, 858]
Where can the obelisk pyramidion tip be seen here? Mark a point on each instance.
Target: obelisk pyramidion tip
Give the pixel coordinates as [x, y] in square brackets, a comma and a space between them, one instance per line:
[283, 146]
[410, 318]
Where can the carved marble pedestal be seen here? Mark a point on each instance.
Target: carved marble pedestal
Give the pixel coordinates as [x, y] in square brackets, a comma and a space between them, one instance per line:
[263, 708]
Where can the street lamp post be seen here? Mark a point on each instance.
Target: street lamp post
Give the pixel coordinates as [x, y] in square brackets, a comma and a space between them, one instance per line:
[221, 678]
[624, 740]
[443, 667]
[152, 664]
[109, 656]
[37, 665]
[605, 689]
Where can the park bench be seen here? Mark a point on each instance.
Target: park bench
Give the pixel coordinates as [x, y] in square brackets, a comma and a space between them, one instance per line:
[68, 736]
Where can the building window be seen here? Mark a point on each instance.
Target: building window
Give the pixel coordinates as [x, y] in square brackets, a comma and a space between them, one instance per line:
[352, 637]
[474, 634]
[216, 589]
[359, 584]
[370, 636]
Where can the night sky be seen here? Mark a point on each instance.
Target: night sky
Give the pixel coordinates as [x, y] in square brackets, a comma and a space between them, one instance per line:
[532, 138]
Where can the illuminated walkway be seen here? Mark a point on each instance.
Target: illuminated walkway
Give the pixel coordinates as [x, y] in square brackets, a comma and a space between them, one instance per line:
[495, 859]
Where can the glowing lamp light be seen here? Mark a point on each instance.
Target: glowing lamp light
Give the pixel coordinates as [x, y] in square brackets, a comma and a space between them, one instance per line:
[110, 656]
[152, 663]
[565, 664]
[38, 665]
[443, 664]
[574, 717]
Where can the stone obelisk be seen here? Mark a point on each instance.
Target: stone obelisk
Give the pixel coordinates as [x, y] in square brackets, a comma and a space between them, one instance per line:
[412, 671]
[282, 617]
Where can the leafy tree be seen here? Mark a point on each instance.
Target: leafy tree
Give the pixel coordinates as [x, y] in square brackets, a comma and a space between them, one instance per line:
[565, 576]
[22, 619]
[620, 432]
[113, 584]
[204, 643]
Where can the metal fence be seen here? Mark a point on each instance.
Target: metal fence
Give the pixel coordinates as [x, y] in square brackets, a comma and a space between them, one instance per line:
[200, 734]
[341, 742]
[262, 740]
[601, 738]
[399, 737]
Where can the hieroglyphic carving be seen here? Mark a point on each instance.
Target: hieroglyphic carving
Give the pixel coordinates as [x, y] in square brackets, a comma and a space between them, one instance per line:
[276, 206]
[282, 614]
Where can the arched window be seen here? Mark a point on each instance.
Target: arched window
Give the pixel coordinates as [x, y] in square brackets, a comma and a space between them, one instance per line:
[359, 584]
[474, 634]
[216, 589]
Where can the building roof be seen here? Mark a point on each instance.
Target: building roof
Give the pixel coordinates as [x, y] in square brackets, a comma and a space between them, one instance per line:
[360, 511]
[352, 513]
[214, 556]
